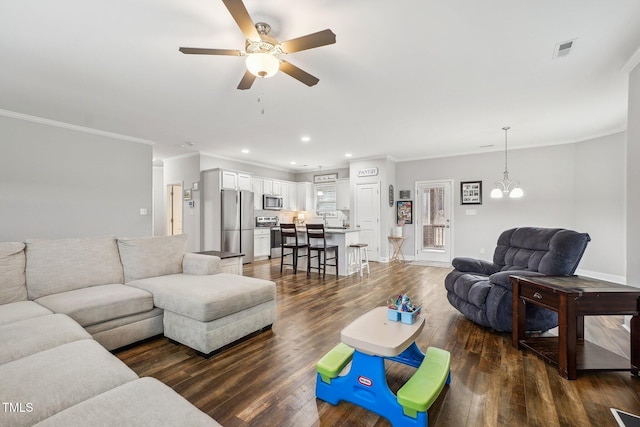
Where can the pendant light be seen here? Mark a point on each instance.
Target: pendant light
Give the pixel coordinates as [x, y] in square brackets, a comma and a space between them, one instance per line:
[320, 192]
[506, 186]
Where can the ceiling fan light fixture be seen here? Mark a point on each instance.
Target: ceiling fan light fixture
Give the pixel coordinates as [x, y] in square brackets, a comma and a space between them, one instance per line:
[262, 64]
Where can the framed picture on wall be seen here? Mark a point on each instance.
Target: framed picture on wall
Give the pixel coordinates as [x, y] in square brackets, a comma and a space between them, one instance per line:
[471, 193]
[404, 212]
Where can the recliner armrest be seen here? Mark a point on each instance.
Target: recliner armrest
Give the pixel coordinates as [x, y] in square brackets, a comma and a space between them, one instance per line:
[474, 265]
[200, 264]
[501, 278]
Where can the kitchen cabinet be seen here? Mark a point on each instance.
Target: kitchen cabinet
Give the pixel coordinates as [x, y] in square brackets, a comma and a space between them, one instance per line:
[267, 186]
[261, 243]
[229, 180]
[284, 192]
[236, 180]
[244, 181]
[292, 195]
[256, 187]
[277, 187]
[304, 196]
[343, 195]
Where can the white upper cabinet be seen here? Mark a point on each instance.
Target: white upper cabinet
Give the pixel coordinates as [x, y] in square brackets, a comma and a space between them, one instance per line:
[343, 195]
[244, 181]
[292, 194]
[304, 196]
[256, 187]
[267, 186]
[229, 180]
[277, 187]
[236, 180]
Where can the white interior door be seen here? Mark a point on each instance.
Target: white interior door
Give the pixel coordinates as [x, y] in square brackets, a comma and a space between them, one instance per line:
[367, 215]
[434, 210]
[174, 209]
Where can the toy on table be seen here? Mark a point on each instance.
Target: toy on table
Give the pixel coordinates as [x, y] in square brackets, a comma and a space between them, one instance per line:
[401, 308]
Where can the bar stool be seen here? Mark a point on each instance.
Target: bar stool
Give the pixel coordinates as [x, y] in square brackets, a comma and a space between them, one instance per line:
[315, 233]
[360, 261]
[289, 240]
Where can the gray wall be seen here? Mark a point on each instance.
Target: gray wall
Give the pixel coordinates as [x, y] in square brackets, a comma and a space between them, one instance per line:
[633, 179]
[577, 186]
[185, 170]
[57, 182]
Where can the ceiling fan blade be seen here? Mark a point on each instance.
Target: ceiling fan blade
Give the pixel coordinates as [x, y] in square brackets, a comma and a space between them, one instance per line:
[321, 38]
[199, 51]
[247, 81]
[298, 74]
[239, 12]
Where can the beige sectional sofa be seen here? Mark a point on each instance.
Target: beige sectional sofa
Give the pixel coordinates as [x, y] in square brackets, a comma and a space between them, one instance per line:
[64, 303]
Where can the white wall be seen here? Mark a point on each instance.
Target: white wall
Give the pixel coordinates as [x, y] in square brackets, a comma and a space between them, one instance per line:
[557, 182]
[159, 197]
[57, 182]
[633, 179]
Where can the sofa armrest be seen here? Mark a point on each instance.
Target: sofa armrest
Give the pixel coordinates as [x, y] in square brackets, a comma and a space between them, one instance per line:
[474, 265]
[501, 278]
[200, 264]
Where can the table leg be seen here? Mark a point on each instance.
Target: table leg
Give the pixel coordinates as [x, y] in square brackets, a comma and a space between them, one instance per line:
[411, 356]
[519, 315]
[567, 338]
[635, 344]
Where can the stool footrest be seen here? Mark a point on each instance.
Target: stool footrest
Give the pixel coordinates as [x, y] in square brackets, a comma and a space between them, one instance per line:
[332, 363]
[423, 388]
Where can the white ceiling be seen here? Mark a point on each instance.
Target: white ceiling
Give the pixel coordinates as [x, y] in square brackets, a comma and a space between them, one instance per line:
[406, 79]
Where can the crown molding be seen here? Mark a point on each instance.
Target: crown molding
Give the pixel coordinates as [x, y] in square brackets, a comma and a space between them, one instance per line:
[632, 62]
[83, 129]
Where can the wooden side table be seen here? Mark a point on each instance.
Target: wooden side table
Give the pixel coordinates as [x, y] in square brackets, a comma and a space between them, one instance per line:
[574, 297]
[397, 243]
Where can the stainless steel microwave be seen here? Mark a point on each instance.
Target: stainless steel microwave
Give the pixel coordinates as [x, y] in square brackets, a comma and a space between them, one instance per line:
[271, 202]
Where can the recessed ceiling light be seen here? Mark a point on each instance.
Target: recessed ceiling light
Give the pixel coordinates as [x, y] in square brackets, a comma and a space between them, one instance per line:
[348, 155]
[292, 163]
[305, 139]
[245, 151]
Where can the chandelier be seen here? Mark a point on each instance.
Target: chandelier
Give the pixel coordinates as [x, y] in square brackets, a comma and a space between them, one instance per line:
[506, 186]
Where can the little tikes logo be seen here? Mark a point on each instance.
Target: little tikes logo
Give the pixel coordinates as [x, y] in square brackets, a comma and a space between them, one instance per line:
[365, 381]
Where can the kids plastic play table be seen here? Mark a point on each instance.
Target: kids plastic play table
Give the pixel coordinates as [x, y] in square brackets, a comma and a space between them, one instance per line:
[375, 339]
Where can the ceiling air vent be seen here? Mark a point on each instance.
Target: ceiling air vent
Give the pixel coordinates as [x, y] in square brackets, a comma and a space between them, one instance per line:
[563, 49]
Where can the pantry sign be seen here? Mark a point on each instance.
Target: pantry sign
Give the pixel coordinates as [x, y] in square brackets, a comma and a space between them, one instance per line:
[367, 172]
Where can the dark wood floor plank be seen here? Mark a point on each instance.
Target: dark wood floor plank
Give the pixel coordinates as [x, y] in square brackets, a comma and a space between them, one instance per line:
[269, 379]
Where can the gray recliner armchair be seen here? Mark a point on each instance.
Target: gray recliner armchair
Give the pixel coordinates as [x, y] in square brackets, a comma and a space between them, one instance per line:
[481, 290]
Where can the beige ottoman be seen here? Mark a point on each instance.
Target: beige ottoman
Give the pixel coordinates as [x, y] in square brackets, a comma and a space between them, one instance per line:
[210, 311]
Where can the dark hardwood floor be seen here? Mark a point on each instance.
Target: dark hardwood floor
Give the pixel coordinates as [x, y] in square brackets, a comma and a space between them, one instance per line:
[269, 379]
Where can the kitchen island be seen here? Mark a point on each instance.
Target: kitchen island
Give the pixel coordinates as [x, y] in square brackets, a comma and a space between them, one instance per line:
[335, 236]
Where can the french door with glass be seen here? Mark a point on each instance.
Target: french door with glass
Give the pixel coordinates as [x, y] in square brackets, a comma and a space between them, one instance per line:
[433, 221]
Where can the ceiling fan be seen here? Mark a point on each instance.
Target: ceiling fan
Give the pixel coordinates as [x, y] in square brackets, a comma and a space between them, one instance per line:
[263, 51]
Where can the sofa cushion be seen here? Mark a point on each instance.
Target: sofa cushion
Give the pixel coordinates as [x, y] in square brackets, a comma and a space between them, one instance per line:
[12, 278]
[96, 304]
[31, 336]
[61, 265]
[152, 256]
[206, 298]
[21, 310]
[139, 403]
[58, 378]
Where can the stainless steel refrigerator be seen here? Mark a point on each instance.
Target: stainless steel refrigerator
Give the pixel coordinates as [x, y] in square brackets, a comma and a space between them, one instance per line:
[237, 223]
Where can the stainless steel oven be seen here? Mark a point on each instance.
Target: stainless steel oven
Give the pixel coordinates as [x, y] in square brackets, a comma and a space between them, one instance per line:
[271, 222]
